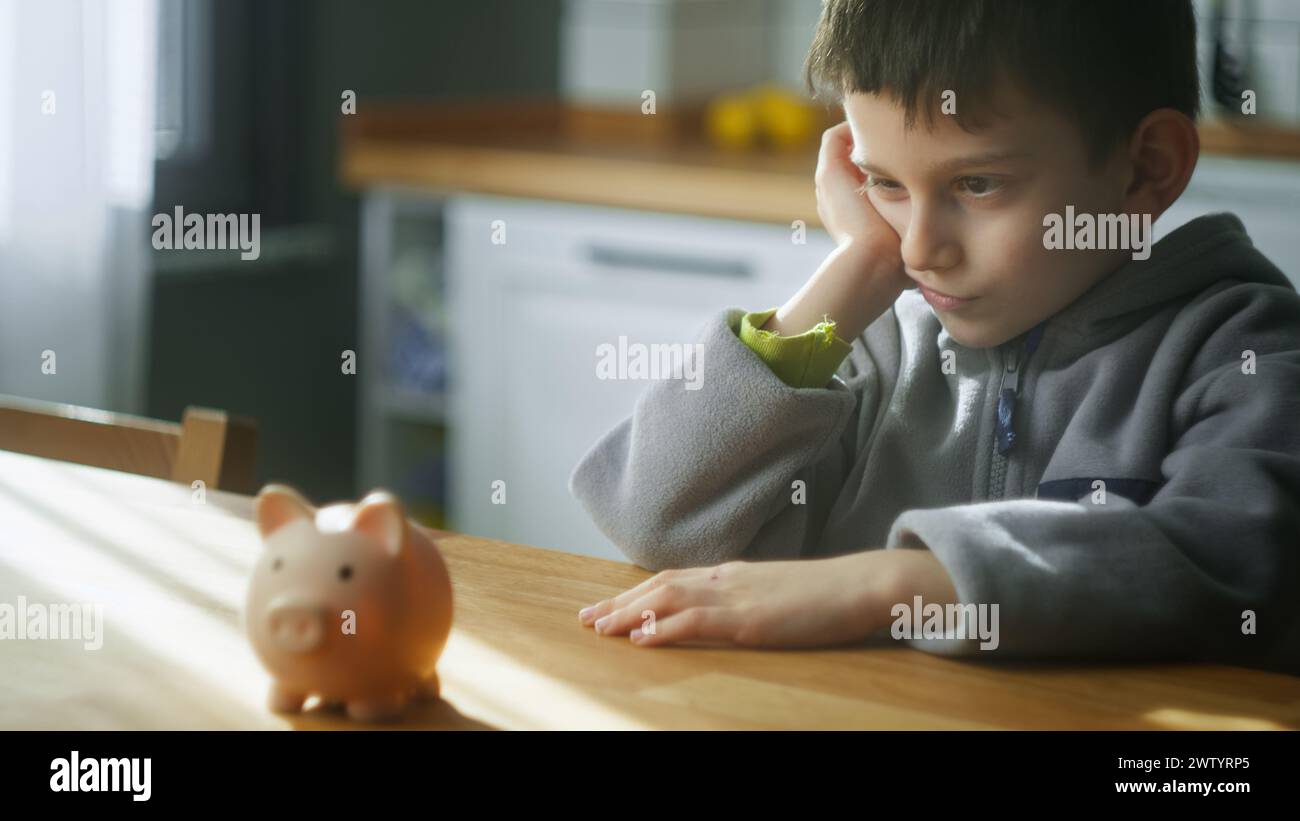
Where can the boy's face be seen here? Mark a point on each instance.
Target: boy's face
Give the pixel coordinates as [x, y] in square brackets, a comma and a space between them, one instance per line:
[969, 207]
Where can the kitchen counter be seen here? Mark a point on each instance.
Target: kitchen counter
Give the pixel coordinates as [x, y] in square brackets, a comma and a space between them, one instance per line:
[542, 150]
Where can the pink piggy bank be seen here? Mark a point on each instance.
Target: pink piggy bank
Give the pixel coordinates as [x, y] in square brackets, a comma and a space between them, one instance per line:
[350, 603]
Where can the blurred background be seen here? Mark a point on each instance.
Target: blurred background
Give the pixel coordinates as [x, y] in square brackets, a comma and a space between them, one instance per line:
[470, 198]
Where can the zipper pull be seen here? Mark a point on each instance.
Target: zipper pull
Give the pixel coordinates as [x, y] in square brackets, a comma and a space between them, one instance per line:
[1004, 434]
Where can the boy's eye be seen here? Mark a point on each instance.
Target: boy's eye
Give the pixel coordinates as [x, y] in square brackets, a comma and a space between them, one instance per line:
[881, 184]
[345, 572]
[978, 186]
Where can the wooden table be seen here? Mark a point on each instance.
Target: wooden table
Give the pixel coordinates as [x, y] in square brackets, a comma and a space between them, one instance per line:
[169, 575]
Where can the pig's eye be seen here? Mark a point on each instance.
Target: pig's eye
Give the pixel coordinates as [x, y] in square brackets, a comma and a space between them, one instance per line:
[345, 572]
[277, 564]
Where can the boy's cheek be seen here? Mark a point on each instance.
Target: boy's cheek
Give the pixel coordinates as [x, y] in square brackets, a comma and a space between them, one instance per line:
[894, 213]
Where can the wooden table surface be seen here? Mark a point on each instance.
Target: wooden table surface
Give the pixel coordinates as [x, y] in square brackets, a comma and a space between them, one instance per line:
[169, 574]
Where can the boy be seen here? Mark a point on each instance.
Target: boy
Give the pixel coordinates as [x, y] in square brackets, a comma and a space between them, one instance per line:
[1097, 439]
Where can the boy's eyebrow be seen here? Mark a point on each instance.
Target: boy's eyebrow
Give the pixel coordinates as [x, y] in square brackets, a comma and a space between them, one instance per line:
[955, 163]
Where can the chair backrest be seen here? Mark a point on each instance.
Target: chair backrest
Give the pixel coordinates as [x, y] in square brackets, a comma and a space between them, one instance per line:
[208, 445]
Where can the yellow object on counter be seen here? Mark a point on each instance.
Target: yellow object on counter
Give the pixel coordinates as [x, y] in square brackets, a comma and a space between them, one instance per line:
[732, 122]
[787, 120]
[768, 113]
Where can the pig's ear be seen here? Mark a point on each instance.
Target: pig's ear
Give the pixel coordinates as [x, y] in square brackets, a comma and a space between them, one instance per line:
[380, 516]
[276, 506]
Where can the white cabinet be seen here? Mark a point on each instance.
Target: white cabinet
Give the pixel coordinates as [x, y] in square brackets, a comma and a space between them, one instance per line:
[529, 317]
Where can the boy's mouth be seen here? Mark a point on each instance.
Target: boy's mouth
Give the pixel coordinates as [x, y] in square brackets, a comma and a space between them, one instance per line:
[942, 301]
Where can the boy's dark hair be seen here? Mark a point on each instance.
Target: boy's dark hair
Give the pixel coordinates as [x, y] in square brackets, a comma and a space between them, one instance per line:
[1104, 64]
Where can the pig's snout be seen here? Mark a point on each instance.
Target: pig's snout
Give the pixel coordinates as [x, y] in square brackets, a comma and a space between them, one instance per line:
[295, 625]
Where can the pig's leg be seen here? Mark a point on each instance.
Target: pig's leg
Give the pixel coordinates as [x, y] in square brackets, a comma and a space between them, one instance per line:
[429, 688]
[377, 709]
[285, 701]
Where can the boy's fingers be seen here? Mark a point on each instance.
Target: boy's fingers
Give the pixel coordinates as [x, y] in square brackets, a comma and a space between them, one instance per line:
[658, 603]
[604, 608]
[838, 180]
[837, 135]
[837, 148]
[718, 623]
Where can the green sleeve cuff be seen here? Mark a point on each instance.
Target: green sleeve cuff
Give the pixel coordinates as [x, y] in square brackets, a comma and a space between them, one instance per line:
[806, 360]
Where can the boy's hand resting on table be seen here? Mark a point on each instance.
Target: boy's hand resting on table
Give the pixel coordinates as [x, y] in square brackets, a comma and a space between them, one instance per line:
[801, 603]
[863, 276]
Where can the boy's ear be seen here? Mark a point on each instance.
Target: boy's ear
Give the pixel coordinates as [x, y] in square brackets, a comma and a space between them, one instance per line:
[276, 506]
[380, 516]
[1162, 153]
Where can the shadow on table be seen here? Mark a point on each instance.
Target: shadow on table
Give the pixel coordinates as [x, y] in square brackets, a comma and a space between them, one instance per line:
[424, 715]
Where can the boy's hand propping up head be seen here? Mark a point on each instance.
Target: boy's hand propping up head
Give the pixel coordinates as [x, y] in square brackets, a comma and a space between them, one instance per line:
[843, 206]
[863, 276]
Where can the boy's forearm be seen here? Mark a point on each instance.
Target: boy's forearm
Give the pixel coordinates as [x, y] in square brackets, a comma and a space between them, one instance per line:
[889, 577]
[847, 288]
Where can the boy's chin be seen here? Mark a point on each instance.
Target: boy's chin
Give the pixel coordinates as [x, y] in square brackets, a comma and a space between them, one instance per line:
[974, 336]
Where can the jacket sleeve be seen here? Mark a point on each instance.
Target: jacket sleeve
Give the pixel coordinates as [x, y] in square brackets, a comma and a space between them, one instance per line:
[1177, 578]
[699, 477]
[806, 360]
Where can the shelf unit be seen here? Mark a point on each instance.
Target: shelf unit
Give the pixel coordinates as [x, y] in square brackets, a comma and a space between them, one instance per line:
[402, 362]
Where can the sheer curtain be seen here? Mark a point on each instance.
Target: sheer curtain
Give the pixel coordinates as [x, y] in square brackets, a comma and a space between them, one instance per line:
[77, 97]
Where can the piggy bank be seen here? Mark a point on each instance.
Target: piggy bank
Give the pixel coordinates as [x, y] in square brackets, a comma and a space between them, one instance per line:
[350, 603]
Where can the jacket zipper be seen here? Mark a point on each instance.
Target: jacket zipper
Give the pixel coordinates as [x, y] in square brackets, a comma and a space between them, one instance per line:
[1005, 409]
[1004, 432]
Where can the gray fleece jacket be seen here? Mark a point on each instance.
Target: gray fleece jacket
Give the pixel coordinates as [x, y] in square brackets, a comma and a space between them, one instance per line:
[1174, 382]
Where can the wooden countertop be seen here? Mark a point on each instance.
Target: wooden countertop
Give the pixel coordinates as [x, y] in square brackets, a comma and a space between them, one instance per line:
[538, 149]
[170, 577]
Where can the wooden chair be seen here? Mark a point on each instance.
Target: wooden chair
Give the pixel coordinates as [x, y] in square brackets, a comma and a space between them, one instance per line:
[208, 445]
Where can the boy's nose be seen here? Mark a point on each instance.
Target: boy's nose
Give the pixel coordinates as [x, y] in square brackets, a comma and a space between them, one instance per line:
[928, 245]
